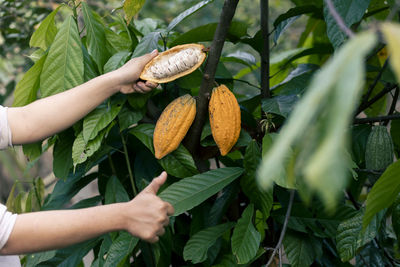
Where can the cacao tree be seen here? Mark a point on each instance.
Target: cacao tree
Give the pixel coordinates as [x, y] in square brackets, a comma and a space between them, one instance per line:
[313, 178]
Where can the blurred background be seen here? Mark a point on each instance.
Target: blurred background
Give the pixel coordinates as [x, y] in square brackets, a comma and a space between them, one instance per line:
[20, 18]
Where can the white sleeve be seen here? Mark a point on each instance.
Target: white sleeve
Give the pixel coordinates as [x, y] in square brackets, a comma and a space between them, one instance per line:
[5, 131]
[7, 221]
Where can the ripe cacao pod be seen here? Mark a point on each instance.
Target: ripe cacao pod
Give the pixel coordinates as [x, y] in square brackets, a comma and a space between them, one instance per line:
[379, 149]
[173, 125]
[174, 63]
[224, 112]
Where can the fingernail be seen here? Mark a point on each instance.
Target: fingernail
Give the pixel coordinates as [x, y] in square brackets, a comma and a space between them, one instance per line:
[154, 52]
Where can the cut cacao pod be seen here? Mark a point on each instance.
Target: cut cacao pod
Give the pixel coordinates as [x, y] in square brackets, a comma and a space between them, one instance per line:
[224, 112]
[379, 151]
[174, 63]
[173, 125]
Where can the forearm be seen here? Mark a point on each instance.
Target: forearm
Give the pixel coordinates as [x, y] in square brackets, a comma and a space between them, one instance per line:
[53, 114]
[47, 230]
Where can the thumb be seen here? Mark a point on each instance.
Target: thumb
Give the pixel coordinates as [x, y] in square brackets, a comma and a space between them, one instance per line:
[156, 183]
[143, 60]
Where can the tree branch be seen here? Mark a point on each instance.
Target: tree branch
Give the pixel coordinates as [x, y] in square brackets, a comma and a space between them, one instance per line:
[265, 92]
[377, 119]
[289, 210]
[392, 108]
[384, 91]
[338, 19]
[192, 142]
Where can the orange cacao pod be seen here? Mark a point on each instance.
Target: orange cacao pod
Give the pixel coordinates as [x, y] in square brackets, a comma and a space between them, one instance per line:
[173, 125]
[174, 63]
[224, 112]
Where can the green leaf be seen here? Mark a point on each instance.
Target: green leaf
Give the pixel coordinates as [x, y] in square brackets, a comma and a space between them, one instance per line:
[187, 13]
[147, 44]
[116, 61]
[391, 33]
[301, 249]
[350, 11]
[90, 71]
[262, 199]
[196, 248]
[115, 192]
[144, 132]
[396, 217]
[95, 36]
[120, 249]
[128, 117]
[99, 119]
[245, 238]
[350, 236]
[318, 125]
[395, 134]
[190, 192]
[280, 105]
[27, 88]
[131, 8]
[62, 154]
[372, 256]
[37, 258]
[45, 33]
[63, 67]
[383, 193]
[205, 33]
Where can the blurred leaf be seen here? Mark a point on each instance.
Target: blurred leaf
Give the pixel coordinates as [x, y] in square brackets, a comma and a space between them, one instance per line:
[350, 236]
[116, 61]
[45, 33]
[95, 36]
[27, 88]
[359, 135]
[131, 8]
[383, 193]
[240, 57]
[281, 27]
[317, 127]
[371, 256]
[37, 258]
[391, 33]
[32, 151]
[62, 154]
[120, 249]
[196, 248]
[186, 14]
[395, 134]
[350, 11]
[63, 67]
[190, 192]
[396, 217]
[245, 238]
[301, 249]
[115, 192]
[261, 199]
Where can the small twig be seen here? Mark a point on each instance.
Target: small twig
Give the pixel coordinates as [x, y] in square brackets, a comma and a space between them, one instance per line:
[377, 119]
[128, 165]
[392, 108]
[217, 162]
[369, 171]
[280, 256]
[372, 86]
[338, 19]
[243, 81]
[264, 70]
[378, 96]
[289, 209]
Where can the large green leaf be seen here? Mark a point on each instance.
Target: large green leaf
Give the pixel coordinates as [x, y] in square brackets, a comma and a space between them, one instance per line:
[383, 193]
[190, 192]
[45, 33]
[63, 67]
[262, 199]
[350, 236]
[301, 249]
[95, 36]
[245, 238]
[187, 13]
[280, 105]
[116, 61]
[27, 88]
[115, 191]
[99, 119]
[179, 163]
[120, 249]
[37, 258]
[317, 127]
[62, 154]
[147, 44]
[131, 8]
[196, 248]
[350, 11]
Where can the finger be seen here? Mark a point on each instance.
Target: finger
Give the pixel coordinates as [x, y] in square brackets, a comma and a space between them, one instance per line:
[153, 240]
[141, 61]
[166, 221]
[151, 84]
[156, 183]
[170, 209]
[161, 231]
[137, 88]
[143, 86]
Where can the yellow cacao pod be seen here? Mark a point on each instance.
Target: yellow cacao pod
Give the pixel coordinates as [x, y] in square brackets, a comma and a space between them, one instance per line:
[174, 63]
[173, 125]
[224, 112]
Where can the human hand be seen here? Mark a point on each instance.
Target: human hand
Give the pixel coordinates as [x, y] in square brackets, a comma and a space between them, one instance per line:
[147, 214]
[128, 75]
